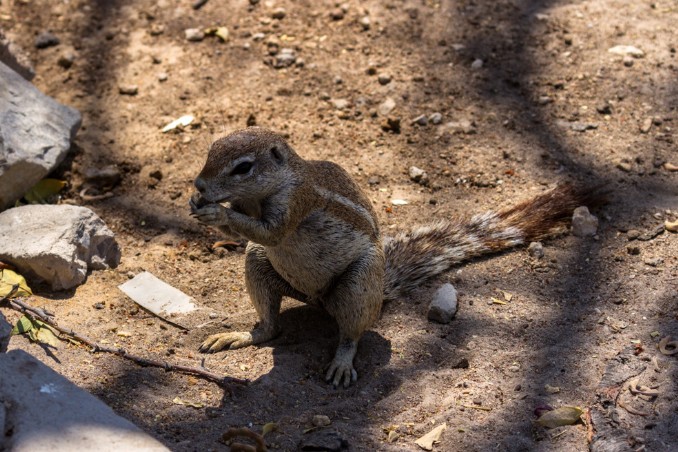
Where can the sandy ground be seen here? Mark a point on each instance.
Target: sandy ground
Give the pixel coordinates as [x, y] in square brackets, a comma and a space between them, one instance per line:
[537, 99]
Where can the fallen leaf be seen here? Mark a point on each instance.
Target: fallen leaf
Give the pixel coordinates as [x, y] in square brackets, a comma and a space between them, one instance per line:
[179, 401]
[671, 226]
[23, 325]
[44, 190]
[668, 347]
[670, 167]
[268, 428]
[222, 33]
[46, 336]
[507, 296]
[426, 441]
[8, 279]
[392, 436]
[552, 389]
[124, 333]
[497, 301]
[565, 415]
[4, 266]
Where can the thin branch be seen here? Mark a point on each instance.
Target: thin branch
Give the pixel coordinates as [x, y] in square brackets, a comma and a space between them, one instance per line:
[40, 314]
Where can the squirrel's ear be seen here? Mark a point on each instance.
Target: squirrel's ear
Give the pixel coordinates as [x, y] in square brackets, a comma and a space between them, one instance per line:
[277, 155]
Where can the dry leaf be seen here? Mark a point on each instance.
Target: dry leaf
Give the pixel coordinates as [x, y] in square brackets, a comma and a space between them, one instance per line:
[507, 296]
[668, 347]
[8, 279]
[426, 441]
[268, 428]
[671, 226]
[44, 190]
[497, 301]
[179, 401]
[565, 415]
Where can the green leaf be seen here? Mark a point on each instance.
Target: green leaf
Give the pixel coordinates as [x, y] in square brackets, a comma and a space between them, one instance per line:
[8, 279]
[23, 325]
[43, 191]
[565, 415]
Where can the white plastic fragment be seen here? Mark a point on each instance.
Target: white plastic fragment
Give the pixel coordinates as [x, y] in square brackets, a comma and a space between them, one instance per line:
[157, 296]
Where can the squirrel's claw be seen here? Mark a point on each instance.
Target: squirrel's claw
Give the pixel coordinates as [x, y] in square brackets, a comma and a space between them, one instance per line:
[221, 341]
[211, 214]
[341, 372]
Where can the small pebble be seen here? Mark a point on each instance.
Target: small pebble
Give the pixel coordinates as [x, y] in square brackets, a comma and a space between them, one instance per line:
[624, 166]
[627, 61]
[128, 90]
[604, 108]
[365, 23]
[337, 14]
[418, 175]
[646, 125]
[279, 13]
[194, 34]
[386, 107]
[285, 58]
[373, 180]
[435, 118]
[46, 39]
[633, 234]
[99, 305]
[443, 308]
[340, 104]
[384, 79]
[162, 76]
[583, 223]
[654, 261]
[536, 250]
[633, 250]
[66, 59]
[421, 120]
[477, 64]
[320, 420]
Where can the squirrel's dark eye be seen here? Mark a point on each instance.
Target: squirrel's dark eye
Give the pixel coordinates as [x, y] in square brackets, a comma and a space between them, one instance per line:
[242, 168]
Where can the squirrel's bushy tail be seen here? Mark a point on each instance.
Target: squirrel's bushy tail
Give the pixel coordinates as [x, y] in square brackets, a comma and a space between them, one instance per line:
[415, 257]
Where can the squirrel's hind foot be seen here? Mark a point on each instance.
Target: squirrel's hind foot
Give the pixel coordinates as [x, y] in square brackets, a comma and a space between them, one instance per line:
[221, 341]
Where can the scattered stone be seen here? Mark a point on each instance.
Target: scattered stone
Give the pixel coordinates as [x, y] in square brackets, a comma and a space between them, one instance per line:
[444, 305]
[477, 64]
[320, 420]
[365, 23]
[340, 104]
[386, 107]
[418, 175]
[583, 126]
[35, 135]
[373, 180]
[337, 14]
[194, 34]
[128, 90]
[197, 4]
[624, 165]
[627, 50]
[99, 305]
[646, 125]
[56, 243]
[162, 76]
[654, 261]
[384, 79]
[462, 126]
[421, 120]
[66, 59]
[632, 234]
[46, 39]
[13, 56]
[435, 118]
[391, 124]
[279, 13]
[48, 412]
[604, 108]
[536, 250]
[156, 29]
[285, 58]
[155, 174]
[108, 176]
[324, 440]
[583, 223]
[544, 100]
[5, 333]
[258, 36]
[628, 61]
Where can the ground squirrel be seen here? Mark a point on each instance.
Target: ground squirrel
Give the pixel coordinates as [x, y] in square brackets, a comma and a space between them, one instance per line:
[313, 236]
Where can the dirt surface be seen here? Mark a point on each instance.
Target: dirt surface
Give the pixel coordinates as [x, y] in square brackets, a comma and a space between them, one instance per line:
[537, 99]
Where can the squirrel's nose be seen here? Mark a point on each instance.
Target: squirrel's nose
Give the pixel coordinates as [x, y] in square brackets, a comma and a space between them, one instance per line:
[200, 184]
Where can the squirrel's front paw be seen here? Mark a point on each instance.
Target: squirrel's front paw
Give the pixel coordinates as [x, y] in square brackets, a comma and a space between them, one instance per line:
[220, 341]
[341, 370]
[211, 214]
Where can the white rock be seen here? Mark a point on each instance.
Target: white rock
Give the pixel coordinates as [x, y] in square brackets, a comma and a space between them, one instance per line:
[626, 50]
[194, 34]
[386, 107]
[157, 296]
[35, 135]
[477, 64]
[418, 175]
[583, 223]
[56, 243]
[444, 305]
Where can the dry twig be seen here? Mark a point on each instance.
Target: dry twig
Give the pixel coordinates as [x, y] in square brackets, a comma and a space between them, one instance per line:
[48, 318]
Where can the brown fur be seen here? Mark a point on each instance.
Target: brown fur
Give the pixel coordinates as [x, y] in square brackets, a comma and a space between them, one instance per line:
[314, 236]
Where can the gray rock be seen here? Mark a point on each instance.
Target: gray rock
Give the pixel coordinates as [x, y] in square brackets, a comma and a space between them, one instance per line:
[56, 243]
[444, 305]
[5, 330]
[340, 104]
[477, 64]
[278, 13]
[108, 176]
[35, 135]
[418, 175]
[421, 120]
[337, 14]
[435, 118]
[46, 39]
[583, 223]
[194, 34]
[536, 250]
[48, 412]
[384, 79]
[462, 126]
[14, 57]
[386, 107]
[285, 58]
